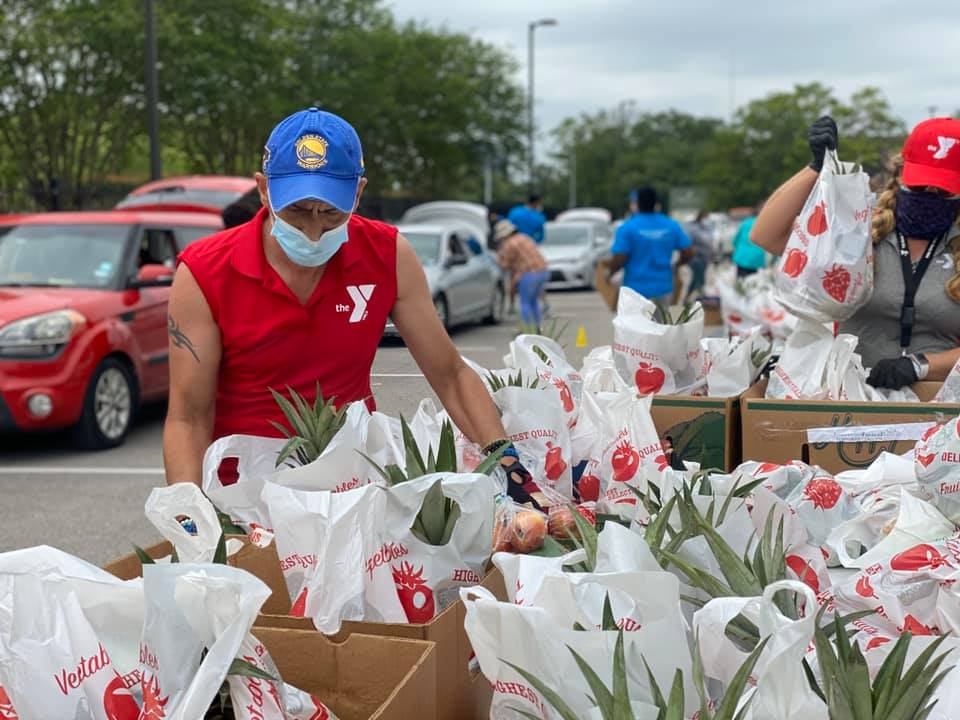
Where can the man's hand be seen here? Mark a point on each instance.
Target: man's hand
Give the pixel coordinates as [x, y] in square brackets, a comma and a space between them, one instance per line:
[823, 135]
[893, 373]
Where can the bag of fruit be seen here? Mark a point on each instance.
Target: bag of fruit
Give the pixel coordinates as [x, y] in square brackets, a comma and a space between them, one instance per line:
[630, 452]
[826, 271]
[535, 422]
[813, 365]
[655, 349]
[395, 554]
[543, 358]
[937, 461]
[733, 365]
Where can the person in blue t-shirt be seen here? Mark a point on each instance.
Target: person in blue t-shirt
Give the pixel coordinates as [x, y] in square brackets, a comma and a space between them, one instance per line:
[529, 219]
[644, 246]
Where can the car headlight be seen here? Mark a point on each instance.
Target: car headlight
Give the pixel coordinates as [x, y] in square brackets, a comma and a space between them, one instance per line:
[40, 335]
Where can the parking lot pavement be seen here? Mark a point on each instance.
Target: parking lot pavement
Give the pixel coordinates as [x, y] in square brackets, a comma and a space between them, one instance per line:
[91, 504]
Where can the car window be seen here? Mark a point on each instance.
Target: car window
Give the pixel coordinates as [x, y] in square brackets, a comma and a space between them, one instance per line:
[62, 255]
[559, 234]
[456, 247]
[425, 245]
[157, 247]
[187, 235]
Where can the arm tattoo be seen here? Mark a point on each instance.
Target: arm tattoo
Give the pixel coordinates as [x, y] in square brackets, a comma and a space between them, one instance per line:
[179, 339]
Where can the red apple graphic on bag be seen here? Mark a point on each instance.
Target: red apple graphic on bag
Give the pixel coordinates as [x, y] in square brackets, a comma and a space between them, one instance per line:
[554, 464]
[794, 263]
[649, 379]
[817, 224]
[801, 568]
[118, 702]
[919, 557]
[565, 397]
[625, 462]
[823, 492]
[415, 596]
[589, 488]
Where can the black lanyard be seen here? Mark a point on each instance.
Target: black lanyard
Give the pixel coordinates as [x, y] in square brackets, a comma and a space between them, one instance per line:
[911, 281]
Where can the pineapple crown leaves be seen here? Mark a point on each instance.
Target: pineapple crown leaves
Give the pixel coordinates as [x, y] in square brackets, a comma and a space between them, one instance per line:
[495, 382]
[894, 694]
[311, 427]
[688, 312]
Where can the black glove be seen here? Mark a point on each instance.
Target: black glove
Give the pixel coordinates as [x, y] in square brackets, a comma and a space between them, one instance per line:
[893, 373]
[823, 136]
[520, 485]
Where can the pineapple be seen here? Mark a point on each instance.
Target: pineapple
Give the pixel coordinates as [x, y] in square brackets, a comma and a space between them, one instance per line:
[435, 522]
[495, 382]
[687, 313]
[311, 427]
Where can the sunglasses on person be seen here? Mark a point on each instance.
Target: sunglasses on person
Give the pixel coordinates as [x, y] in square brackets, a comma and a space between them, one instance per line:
[929, 189]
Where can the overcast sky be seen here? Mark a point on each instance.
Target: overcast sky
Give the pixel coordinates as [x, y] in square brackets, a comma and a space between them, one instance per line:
[679, 53]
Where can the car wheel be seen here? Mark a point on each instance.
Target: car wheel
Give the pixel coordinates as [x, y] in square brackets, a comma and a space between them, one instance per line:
[108, 407]
[443, 311]
[495, 316]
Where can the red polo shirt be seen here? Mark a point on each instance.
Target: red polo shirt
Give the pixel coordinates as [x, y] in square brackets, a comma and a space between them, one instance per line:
[271, 340]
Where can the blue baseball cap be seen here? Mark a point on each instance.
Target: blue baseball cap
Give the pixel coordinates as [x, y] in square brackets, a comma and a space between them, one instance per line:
[314, 155]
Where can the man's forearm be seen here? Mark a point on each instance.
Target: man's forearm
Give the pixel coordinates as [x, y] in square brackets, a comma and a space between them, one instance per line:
[942, 363]
[184, 443]
[470, 407]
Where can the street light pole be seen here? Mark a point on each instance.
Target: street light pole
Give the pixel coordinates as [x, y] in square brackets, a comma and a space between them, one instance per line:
[531, 28]
[152, 92]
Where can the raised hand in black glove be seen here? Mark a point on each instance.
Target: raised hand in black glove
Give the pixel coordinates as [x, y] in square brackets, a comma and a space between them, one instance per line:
[893, 373]
[520, 485]
[823, 136]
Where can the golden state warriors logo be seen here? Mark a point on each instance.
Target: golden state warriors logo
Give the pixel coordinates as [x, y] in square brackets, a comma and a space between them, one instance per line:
[311, 152]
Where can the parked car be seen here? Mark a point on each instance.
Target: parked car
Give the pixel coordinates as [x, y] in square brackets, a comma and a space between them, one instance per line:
[191, 193]
[83, 317]
[464, 278]
[572, 250]
[451, 212]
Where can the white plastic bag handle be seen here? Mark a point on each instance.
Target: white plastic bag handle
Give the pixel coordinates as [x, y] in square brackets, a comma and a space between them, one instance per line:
[163, 508]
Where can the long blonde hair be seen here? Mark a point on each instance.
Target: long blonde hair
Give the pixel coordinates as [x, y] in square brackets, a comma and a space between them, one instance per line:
[885, 222]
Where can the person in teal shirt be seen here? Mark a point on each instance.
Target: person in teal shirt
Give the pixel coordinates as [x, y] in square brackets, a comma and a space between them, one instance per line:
[746, 256]
[644, 247]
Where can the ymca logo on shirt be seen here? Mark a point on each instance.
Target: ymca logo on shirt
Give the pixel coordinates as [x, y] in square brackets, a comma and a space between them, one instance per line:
[360, 294]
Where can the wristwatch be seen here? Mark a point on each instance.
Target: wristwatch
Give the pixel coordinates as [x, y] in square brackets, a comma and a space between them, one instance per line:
[920, 364]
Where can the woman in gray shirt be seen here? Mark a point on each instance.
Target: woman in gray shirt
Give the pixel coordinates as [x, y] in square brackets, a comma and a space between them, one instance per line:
[910, 328]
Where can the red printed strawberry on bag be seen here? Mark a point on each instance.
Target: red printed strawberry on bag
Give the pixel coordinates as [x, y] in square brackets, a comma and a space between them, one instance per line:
[817, 223]
[836, 282]
[794, 263]
[823, 492]
[625, 462]
[415, 595]
[649, 379]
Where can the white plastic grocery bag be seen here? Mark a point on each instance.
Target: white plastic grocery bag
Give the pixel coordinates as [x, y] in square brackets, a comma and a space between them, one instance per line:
[251, 458]
[826, 271]
[535, 422]
[782, 691]
[733, 365]
[370, 566]
[166, 506]
[937, 463]
[543, 358]
[631, 452]
[813, 364]
[949, 392]
[655, 358]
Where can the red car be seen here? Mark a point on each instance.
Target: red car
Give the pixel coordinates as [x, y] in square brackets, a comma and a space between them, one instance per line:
[83, 317]
[196, 193]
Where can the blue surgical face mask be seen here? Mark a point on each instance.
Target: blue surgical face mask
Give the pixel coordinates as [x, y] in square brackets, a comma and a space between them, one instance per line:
[301, 249]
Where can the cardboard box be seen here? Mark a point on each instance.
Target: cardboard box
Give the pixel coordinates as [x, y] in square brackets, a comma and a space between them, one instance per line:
[778, 431]
[461, 694]
[365, 677]
[699, 429]
[608, 291]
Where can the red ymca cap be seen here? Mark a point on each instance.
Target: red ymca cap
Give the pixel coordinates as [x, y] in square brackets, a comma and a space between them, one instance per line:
[931, 155]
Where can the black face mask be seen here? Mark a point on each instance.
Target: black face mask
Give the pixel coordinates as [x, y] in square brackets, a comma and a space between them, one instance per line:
[925, 215]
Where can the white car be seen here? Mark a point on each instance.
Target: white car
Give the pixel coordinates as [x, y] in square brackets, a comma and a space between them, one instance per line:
[572, 250]
[464, 279]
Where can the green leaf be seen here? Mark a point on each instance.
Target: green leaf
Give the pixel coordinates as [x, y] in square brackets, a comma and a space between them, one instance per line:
[588, 536]
[432, 513]
[247, 669]
[550, 548]
[602, 696]
[700, 578]
[675, 706]
[415, 465]
[655, 693]
[142, 555]
[452, 517]
[564, 710]
[741, 580]
[220, 554]
[738, 683]
[490, 463]
[609, 622]
[447, 449]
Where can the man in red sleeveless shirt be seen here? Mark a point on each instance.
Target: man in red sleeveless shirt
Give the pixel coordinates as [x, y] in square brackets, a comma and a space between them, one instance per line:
[300, 295]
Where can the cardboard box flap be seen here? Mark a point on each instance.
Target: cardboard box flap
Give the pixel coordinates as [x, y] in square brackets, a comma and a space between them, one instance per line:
[364, 676]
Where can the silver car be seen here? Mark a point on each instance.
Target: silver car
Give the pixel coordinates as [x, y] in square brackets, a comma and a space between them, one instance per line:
[464, 279]
[572, 250]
